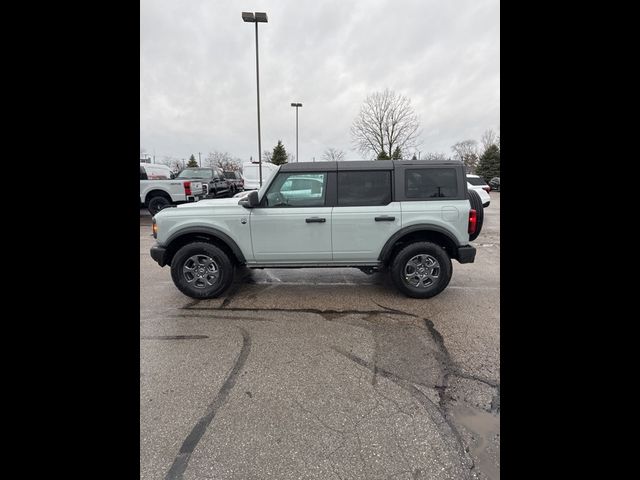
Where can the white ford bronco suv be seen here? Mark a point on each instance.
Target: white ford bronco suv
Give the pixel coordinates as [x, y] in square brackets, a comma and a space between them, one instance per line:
[409, 218]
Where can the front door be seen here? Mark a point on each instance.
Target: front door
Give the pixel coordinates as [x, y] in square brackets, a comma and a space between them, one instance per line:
[292, 224]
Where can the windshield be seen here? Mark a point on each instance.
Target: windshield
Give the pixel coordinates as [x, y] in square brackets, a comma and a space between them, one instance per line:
[476, 181]
[195, 173]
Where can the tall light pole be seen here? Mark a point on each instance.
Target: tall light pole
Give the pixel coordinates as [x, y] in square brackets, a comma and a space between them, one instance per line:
[296, 105]
[257, 17]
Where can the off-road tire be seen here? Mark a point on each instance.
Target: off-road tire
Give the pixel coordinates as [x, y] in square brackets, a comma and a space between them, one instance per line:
[184, 272]
[429, 251]
[157, 203]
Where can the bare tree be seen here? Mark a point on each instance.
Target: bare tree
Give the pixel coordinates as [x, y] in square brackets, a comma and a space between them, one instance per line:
[333, 155]
[222, 160]
[386, 120]
[266, 155]
[467, 152]
[489, 137]
[435, 157]
[173, 163]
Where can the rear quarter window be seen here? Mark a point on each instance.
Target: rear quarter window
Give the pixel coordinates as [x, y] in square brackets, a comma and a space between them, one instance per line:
[431, 183]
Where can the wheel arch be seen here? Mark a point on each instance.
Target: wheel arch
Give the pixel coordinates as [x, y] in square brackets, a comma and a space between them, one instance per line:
[207, 234]
[419, 233]
[156, 193]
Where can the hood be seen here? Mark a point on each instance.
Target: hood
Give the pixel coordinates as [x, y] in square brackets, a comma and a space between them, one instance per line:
[213, 202]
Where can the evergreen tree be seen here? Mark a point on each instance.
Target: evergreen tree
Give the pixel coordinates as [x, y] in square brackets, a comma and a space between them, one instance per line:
[192, 162]
[489, 166]
[397, 154]
[414, 157]
[279, 156]
[383, 155]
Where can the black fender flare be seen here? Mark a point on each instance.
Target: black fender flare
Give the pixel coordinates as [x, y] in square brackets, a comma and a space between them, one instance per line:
[214, 232]
[388, 246]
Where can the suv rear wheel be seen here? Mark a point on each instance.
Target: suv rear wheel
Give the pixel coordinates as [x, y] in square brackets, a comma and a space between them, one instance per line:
[201, 270]
[157, 203]
[421, 270]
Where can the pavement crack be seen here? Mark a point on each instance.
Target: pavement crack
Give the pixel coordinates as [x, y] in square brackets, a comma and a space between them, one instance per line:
[437, 337]
[317, 311]
[181, 461]
[397, 312]
[456, 372]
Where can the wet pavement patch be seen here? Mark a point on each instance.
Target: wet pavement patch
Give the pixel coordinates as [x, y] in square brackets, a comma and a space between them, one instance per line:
[484, 429]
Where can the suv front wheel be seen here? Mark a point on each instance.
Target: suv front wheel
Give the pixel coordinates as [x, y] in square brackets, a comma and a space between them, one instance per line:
[201, 270]
[421, 270]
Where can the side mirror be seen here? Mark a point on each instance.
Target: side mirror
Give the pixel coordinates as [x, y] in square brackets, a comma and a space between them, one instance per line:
[250, 201]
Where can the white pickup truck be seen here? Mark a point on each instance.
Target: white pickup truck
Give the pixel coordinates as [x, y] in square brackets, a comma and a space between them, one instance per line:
[158, 190]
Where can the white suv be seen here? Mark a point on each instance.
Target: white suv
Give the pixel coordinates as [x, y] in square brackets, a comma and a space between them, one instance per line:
[407, 217]
[478, 184]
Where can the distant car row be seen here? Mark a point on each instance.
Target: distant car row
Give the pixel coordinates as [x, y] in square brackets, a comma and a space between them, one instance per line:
[160, 188]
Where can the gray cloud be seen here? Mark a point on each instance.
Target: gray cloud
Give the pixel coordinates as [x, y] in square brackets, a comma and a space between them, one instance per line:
[197, 71]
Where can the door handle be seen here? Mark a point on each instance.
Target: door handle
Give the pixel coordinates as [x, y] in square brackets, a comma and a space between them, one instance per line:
[315, 220]
[385, 219]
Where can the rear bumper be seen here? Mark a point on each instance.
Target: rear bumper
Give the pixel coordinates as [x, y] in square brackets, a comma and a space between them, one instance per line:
[159, 254]
[466, 254]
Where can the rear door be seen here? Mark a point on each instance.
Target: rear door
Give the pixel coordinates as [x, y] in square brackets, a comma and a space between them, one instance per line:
[293, 224]
[364, 217]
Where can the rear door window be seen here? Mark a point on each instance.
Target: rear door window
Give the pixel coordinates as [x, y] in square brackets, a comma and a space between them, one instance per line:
[362, 188]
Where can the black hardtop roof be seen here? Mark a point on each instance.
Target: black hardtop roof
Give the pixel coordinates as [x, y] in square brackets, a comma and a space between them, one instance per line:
[363, 165]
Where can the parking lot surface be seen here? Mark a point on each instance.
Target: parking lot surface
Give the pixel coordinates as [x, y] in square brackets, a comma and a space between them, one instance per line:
[321, 374]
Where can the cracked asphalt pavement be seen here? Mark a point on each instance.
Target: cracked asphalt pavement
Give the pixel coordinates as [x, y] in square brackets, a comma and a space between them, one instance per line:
[322, 374]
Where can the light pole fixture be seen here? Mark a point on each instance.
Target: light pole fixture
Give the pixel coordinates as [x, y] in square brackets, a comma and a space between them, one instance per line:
[296, 105]
[257, 17]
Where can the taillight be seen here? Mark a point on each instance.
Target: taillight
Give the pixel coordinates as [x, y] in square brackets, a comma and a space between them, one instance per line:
[473, 221]
[187, 188]
[487, 189]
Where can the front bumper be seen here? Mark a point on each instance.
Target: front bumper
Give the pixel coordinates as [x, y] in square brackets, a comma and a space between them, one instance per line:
[466, 254]
[159, 254]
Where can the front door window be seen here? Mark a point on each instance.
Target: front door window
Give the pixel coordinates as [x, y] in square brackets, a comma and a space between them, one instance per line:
[297, 190]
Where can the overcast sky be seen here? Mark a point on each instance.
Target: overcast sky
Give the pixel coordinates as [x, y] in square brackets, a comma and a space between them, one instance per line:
[198, 72]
